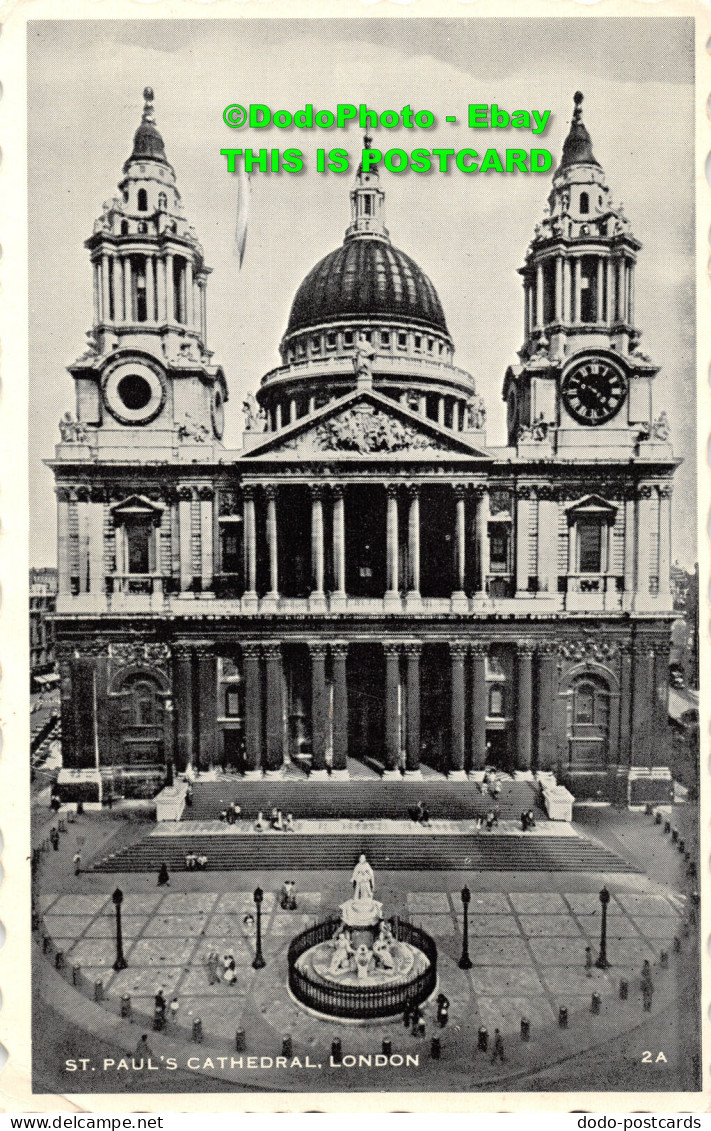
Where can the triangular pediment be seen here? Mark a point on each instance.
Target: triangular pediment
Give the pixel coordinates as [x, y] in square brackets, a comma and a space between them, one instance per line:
[592, 505]
[364, 424]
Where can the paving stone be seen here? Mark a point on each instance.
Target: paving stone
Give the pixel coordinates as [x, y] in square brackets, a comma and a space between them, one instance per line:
[497, 982]
[93, 952]
[434, 901]
[559, 951]
[161, 952]
[79, 904]
[233, 901]
[645, 904]
[537, 925]
[144, 981]
[66, 925]
[505, 951]
[505, 1013]
[618, 926]
[104, 926]
[440, 926]
[489, 903]
[195, 983]
[220, 1016]
[493, 925]
[175, 926]
[663, 927]
[46, 899]
[574, 980]
[308, 902]
[140, 902]
[187, 903]
[584, 902]
[290, 923]
[538, 903]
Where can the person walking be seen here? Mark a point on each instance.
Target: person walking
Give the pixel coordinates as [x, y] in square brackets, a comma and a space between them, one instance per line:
[498, 1053]
[163, 877]
[143, 1049]
[54, 839]
[442, 1010]
[77, 862]
[647, 987]
[174, 1007]
[212, 964]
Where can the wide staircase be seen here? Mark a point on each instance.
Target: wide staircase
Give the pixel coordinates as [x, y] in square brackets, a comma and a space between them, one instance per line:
[400, 852]
[359, 800]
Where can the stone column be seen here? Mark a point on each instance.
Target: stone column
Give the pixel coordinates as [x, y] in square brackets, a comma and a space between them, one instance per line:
[523, 495]
[567, 293]
[96, 292]
[206, 537]
[207, 705]
[524, 704]
[202, 286]
[620, 289]
[479, 651]
[97, 567]
[83, 529]
[392, 717]
[539, 295]
[188, 287]
[183, 700]
[440, 411]
[577, 290]
[160, 289]
[456, 425]
[457, 652]
[105, 304]
[169, 288]
[630, 547]
[117, 283]
[665, 495]
[559, 288]
[482, 539]
[339, 547]
[625, 741]
[274, 752]
[645, 521]
[630, 293]
[277, 417]
[339, 654]
[610, 312]
[642, 753]
[413, 599]
[526, 309]
[150, 290]
[319, 711]
[127, 289]
[272, 543]
[546, 665]
[392, 595]
[252, 710]
[548, 540]
[185, 497]
[64, 571]
[250, 545]
[317, 597]
[459, 597]
[413, 651]
[600, 313]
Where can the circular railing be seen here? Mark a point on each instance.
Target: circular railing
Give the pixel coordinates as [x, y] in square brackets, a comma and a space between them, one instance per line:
[361, 1002]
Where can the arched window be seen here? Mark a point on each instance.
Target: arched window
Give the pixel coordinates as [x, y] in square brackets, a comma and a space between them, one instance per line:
[141, 704]
[584, 204]
[496, 702]
[142, 200]
[162, 202]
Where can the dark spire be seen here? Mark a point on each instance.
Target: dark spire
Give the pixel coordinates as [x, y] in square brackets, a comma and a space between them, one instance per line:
[577, 147]
[147, 142]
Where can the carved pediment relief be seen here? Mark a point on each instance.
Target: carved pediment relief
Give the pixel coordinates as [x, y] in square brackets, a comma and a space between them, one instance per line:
[365, 429]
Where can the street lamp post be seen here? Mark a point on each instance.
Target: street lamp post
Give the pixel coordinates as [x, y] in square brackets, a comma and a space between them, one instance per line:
[120, 963]
[602, 962]
[465, 962]
[258, 957]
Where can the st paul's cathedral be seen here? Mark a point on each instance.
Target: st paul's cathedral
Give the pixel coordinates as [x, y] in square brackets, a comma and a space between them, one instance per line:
[365, 582]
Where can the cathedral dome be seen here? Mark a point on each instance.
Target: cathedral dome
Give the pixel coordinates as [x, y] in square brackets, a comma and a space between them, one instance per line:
[366, 277]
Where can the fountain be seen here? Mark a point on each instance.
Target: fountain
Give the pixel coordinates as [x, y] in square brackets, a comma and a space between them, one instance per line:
[361, 966]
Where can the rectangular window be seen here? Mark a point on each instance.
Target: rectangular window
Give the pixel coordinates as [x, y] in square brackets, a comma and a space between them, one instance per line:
[232, 702]
[138, 538]
[384, 338]
[348, 338]
[232, 548]
[330, 341]
[418, 342]
[590, 543]
[498, 550]
[402, 341]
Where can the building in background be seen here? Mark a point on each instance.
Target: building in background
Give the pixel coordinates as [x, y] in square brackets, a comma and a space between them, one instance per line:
[43, 597]
[365, 581]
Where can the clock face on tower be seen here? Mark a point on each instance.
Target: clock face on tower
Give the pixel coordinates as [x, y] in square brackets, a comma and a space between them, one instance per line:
[593, 391]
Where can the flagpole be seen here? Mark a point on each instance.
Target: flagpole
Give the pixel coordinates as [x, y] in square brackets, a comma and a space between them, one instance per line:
[96, 742]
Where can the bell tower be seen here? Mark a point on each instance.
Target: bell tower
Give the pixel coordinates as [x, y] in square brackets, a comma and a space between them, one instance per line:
[582, 382]
[147, 376]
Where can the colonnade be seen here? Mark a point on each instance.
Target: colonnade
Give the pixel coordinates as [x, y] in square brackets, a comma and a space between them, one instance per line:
[614, 286]
[117, 281]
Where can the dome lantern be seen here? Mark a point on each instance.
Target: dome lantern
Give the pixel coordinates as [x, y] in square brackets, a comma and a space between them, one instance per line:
[367, 202]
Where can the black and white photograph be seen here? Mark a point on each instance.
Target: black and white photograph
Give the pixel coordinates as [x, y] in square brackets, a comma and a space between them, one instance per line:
[363, 573]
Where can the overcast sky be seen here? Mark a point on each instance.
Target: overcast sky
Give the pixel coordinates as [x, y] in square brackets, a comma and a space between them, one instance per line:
[468, 233]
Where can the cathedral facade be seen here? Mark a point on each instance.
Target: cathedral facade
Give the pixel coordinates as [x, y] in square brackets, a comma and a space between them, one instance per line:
[365, 581]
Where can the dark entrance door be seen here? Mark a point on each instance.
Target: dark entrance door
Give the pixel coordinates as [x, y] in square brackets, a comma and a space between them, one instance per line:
[233, 750]
[366, 703]
[497, 749]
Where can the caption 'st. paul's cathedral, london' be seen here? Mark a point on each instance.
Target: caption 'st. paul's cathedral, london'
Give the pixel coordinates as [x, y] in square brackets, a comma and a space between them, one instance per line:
[366, 582]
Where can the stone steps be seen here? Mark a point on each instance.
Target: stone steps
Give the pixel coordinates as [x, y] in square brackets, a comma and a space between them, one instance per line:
[355, 800]
[293, 851]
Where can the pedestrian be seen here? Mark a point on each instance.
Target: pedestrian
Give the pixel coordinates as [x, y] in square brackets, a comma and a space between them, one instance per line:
[230, 967]
[442, 1010]
[159, 1006]
[189, 796]
[230, 814]
[54, 839]
[77, 863]
[212, 963]
[498, 1053]
[163, 877]
[143, 1049]
[174, 1007]
[259, 824]
[647, 986]
[289, 826]
[201, 862]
